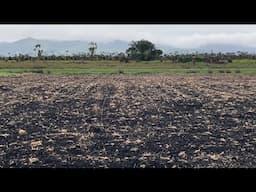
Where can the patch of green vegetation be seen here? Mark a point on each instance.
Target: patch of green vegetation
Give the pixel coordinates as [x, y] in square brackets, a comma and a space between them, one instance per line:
[120, 71]
[37, 71]
[193, 71]
[125, 70]
[156, 64]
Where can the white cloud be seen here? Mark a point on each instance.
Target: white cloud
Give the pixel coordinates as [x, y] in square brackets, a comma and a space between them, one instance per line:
[183, 36]
[196, 40]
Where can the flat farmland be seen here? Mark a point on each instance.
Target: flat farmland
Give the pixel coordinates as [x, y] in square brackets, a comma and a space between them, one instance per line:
[130, 121]
[243, 66]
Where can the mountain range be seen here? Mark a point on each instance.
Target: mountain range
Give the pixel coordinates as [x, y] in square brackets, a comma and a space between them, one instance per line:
[25, 46]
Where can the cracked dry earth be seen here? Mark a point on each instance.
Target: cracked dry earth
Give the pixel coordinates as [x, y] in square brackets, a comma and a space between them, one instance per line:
[118, 121]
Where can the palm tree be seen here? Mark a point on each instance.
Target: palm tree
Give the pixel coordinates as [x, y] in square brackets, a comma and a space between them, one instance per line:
[67, 54]
[38, 50]
[92, 48]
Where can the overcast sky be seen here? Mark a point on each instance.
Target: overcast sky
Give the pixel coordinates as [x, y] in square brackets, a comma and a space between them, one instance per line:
[181, 36]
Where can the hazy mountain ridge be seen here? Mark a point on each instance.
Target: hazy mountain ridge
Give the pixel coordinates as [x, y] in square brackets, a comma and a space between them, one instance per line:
[225, 48]
[25, 46]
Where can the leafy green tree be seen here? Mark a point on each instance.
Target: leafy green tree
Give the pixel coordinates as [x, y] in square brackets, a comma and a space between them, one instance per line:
[143, 50]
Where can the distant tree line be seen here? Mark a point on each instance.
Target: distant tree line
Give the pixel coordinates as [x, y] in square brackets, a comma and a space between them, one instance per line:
[142, 50]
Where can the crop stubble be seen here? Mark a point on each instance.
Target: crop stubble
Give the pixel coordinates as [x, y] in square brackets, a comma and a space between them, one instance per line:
[127, 121]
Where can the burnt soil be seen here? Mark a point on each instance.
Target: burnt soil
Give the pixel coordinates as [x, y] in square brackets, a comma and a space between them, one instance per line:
[132, 121]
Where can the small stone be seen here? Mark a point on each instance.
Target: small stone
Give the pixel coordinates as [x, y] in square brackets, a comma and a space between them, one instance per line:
[134, 149]
[112, 105]
[115, 134]
[138, 141]
[172, 127]
[5, 135]
[164, 158]
[64, 131]
[196, 137]
[33, 160]
[11, 123]
[207, 133]
[50, 149]
[216, 157]
[197, 151]
[22, 132]
[35, 144]
[127, 141]
[182, 154]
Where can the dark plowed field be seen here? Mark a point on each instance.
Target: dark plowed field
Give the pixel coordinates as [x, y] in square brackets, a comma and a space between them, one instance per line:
[128, 121]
